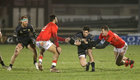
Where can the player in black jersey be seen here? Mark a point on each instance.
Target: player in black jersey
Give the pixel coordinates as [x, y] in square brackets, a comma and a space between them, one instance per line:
[82, 41]
[25, 35]
[1, 60]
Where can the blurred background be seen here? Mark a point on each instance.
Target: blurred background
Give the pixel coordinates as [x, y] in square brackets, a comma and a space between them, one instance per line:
[122, 16]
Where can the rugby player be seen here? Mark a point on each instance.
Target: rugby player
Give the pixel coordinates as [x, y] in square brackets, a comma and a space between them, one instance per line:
[44, 43]
[82, 41]
[1, 60]
[25, 34]
[120, 46]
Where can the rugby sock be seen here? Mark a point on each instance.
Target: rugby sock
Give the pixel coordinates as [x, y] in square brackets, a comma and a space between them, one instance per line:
[40, 59]
[93, 66]
[11, 65]
[87, 66]
[2, 63]
[35, 61]
[54, 62]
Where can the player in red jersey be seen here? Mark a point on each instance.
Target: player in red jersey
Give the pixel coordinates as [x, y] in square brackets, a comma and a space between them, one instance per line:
[44, 43]
[120, 46]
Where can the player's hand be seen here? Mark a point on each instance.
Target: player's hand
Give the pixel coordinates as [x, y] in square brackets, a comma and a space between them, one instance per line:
[67, 40]
[85, 41]
[59, 50]
[77, 43]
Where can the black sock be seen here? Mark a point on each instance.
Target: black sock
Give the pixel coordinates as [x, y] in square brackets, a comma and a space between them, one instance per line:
[87, 66]
[93, 66]
[2, 63]
[53, 66]
[11, 65]
[34, 61]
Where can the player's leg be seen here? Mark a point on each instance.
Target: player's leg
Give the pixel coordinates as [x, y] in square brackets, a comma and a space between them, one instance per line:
[53, 49]
[42, 45]
[2, 62]
[42, 50]
[92, 62]
[121, 59]
[82, 59]
[33, 49]
[18, 48]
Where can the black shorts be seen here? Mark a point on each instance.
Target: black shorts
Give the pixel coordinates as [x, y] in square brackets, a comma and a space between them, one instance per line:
[82, 53]
[25, 42]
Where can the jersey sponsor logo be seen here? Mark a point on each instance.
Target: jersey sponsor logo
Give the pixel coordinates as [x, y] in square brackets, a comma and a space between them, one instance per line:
[21, 32]
[29, 30]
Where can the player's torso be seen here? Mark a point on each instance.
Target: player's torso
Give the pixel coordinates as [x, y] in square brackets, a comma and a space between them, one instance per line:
[116, 41]
[46, 32]
[24, 32]
[80, 36]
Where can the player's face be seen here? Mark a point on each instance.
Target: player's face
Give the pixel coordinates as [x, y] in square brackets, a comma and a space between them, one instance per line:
[24, 22]
[85, 33]
[104, 32]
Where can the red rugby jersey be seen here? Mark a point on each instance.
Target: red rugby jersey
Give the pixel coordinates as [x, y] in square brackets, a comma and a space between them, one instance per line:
[113, 39]
[48, 32]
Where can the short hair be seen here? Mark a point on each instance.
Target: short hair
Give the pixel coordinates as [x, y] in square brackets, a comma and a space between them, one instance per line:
[23, 17]
[52, 17]
[86, 28]
[105, 27]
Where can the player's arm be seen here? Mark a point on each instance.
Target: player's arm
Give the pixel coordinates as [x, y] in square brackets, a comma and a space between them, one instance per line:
[60, 38]
[106, 43]
[17, 32]
[71, 41]
[94, 43]
[33, 32]
[102, 46]
[55, 39]
[74, 41]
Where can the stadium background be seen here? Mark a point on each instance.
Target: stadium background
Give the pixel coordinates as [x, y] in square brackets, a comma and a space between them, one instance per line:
[122, 16]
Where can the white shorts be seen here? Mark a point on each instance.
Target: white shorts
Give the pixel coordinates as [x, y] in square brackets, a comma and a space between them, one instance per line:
[123, 49]
[44, 44]
[83, 55]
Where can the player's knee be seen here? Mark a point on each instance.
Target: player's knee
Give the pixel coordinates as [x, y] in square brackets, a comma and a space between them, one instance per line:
[32, 46]
[89, 50]
[19, 47]
[122, 54]
[83, 65]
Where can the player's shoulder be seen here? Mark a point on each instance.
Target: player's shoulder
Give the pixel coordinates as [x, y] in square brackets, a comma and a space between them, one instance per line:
[79, 33]
[51, 24]
[30, 26]
[110, 32]
[90, 36]
[18, 26]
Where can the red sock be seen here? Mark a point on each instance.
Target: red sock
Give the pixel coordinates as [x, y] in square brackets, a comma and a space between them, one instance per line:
[40, 59]
[54, 62]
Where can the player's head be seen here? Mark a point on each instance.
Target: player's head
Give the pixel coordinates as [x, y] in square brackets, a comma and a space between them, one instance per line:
[86, 31]
[105, 30]
[24, 20]
[53, 18]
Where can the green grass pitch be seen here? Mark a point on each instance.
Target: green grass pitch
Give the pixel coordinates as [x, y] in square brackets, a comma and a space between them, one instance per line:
[69, 66]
